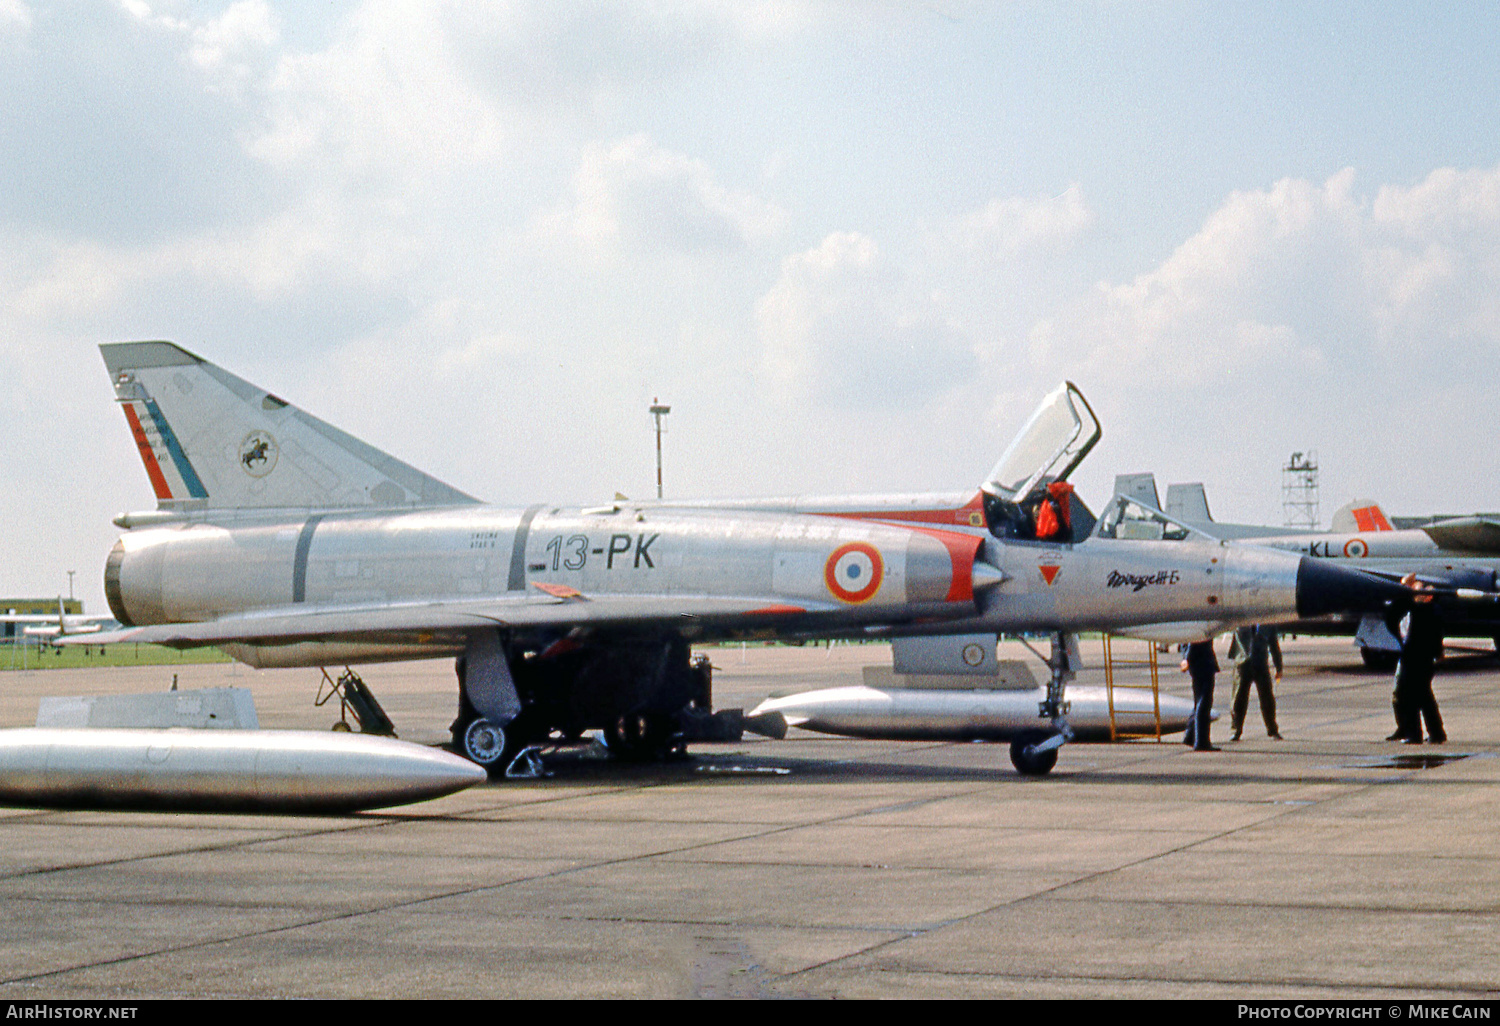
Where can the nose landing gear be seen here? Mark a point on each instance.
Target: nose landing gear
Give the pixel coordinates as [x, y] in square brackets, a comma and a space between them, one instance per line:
[1034, 752]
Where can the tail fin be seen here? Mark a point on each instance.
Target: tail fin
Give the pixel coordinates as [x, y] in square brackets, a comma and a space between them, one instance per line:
[1189, 502]
[1141, 487]
[212, 441]
[1360, 515]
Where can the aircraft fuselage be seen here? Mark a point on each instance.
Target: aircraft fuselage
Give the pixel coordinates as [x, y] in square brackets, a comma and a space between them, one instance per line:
[811, 575]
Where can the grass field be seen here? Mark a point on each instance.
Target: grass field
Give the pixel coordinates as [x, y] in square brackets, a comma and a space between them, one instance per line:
[24, 656]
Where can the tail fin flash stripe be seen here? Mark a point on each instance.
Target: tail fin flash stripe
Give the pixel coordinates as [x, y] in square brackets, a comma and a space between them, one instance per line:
[233, 445]
[190, 479]
[148, 457]
[1371, 518]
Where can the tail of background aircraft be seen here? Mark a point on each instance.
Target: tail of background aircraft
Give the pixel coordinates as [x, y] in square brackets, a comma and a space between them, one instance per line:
[212, 441]
[1140, 487]
[1189, 502]
[1360, 515]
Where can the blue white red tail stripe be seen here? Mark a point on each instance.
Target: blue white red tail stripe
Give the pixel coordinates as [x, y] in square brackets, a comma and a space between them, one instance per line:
[171, 473]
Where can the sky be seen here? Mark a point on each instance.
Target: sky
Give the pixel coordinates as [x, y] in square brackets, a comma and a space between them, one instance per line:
[851, 244]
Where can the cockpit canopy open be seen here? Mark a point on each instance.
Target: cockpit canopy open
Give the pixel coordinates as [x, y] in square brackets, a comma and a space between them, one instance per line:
[1054, 441]
[1024, 496]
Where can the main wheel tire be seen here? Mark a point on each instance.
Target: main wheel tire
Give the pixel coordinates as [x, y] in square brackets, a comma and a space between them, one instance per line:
[1031, 763]
[1378, 659]
[485, 744]
[638, 737]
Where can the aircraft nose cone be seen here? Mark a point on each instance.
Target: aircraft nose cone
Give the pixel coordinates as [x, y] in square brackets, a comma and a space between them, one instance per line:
[1324, 588]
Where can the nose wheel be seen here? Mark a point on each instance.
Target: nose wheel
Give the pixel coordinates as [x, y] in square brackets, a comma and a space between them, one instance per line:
[1034, 752]
[1029, 755]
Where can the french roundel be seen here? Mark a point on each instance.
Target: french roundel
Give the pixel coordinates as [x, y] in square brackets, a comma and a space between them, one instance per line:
[1356, 548]
[854, 572]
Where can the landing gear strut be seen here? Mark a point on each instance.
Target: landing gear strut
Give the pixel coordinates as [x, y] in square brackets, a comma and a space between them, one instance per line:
[491, 728]
[1034, 752]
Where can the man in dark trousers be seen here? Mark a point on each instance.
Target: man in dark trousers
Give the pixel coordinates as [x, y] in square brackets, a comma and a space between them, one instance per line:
[1412, 699]
[1253, 650]
[1200, 663]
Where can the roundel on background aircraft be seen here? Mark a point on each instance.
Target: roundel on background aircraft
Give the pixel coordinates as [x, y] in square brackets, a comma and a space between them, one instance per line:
[854, 572]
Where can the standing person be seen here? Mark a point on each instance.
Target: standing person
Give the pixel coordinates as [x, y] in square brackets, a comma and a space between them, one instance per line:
[1412, 699]
[1200, 663]
[1253, 650]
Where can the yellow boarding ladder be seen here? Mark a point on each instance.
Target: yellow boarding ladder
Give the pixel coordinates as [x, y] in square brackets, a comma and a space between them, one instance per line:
[1115, 734]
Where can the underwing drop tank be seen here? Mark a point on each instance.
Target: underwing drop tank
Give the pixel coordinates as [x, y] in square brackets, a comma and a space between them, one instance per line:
[222, 770]
[924, 714]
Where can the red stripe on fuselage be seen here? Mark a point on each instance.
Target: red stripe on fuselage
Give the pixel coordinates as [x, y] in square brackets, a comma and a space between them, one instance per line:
[962, 550]
[153, 469]
[965, 514]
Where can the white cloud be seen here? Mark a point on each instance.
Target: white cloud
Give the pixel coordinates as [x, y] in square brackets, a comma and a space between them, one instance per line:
[847, 326]
[383, 105]
[1005, 227]
[763, 19]
[14, 15]
[1305, 315]
[220, 45]
[1434, 264]
[634, 194]
[280, 258]
[137, 9]
[236, 41]
[1244, 293]
[1301, 277]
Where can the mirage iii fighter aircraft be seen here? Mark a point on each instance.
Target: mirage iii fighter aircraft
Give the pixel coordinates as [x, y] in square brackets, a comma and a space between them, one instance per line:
[286, 542]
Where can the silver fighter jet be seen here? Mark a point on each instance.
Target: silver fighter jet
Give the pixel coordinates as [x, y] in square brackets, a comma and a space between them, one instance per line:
[287, 542]
[1457, 557]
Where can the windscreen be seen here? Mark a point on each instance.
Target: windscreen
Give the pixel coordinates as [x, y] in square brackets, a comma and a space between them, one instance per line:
[1128, 519]
[1054, 441]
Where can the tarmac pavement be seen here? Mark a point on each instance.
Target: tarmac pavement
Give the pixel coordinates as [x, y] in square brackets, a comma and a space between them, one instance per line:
[1328, 865]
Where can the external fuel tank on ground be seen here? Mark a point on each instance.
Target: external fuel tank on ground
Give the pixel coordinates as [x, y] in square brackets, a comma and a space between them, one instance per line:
[284, 771]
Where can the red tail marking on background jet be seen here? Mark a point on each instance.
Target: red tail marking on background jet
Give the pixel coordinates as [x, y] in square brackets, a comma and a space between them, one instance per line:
[1371, 518]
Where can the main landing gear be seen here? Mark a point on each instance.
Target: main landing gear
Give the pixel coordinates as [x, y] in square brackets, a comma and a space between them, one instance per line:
[508, 751]
[642, 737]
[647, 697]
[1378, 659]
[492, 738]
[1034, 752]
